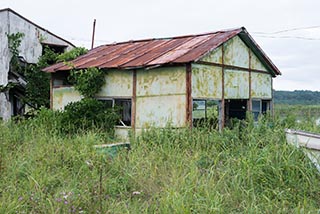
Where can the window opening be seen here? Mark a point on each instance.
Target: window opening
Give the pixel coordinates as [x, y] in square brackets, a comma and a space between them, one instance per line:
[205, 112]
[123, 106]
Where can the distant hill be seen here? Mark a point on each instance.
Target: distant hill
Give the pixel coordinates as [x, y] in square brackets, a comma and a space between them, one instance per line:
[298, 97]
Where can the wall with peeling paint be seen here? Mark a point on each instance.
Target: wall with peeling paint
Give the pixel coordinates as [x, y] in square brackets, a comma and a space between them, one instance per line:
[118, 84]
[236, 84]
[30, 48]
[64, 95]
[261, 86]
[161, 97]
[236, 53]
[206, 81]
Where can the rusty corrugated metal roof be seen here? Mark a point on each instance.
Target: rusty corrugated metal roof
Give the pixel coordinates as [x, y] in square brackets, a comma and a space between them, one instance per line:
[157, 52]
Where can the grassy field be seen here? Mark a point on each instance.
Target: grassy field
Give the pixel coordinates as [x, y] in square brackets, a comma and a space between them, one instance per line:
[247, 169]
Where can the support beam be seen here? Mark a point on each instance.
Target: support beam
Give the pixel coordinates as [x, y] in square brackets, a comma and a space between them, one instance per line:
[222, 122]
[188, 95]
[134, 101]
[250, 87]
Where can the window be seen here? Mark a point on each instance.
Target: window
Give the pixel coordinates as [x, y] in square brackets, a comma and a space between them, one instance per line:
[256, 108]
[123, 106]
[260, 107]
[205, 112]
[61, 79]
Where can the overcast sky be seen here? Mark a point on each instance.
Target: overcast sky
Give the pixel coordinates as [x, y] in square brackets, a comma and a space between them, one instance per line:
[295, 52]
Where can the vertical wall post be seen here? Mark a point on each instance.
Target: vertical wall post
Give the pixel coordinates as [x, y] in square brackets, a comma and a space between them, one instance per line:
[134, 101]
[222, 118]
[188, 95]
[250, 87]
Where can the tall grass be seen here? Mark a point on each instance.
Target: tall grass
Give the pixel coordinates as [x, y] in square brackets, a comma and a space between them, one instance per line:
[247, 169]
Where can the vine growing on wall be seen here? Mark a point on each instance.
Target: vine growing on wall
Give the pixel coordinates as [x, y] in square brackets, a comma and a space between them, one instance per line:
[87, 81]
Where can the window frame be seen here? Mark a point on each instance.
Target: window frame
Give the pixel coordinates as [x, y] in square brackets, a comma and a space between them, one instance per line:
[206, 117]
[257, 113]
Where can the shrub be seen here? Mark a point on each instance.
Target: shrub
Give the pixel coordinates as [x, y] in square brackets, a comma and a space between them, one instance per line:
[88, 114]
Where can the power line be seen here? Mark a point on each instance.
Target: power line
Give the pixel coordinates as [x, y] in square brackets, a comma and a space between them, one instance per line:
[289, 30]
[289, 37]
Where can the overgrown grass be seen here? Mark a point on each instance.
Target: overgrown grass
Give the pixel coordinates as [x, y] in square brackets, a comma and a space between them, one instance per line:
[247, 169]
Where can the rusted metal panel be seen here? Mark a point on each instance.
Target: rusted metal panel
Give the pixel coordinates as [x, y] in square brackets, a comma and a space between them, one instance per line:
[261, 85]
[161, 81]
[236, 53]
[144, 53]
[175, 50]
[161, 111]
[256, 63]
[206, 81]
[236, 84]
[119, 83]
[64, 95]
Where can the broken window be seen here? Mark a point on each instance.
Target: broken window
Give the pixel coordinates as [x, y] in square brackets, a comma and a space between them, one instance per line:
[205, 112]
[123, 106]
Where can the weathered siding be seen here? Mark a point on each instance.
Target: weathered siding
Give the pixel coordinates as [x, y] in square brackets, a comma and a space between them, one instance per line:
[5, 111]
[214, 56]
[160, 111]
[118, 84]
[161, 81]
[261, 85]
[64, 95]
[256, 64]
[236, 53]
[31, 48]
[236, 84]
[206, 81]
[161, 97]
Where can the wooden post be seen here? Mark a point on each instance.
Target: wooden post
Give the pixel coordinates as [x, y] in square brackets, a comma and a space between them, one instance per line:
[188, 95]
[222, 122]
[134, 101]
[250, 87]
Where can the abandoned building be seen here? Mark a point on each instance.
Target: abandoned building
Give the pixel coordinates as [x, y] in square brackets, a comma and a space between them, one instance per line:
[31, 48]
[178, 81]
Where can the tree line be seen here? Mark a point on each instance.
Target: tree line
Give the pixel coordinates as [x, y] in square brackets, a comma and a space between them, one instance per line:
[297, 97]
